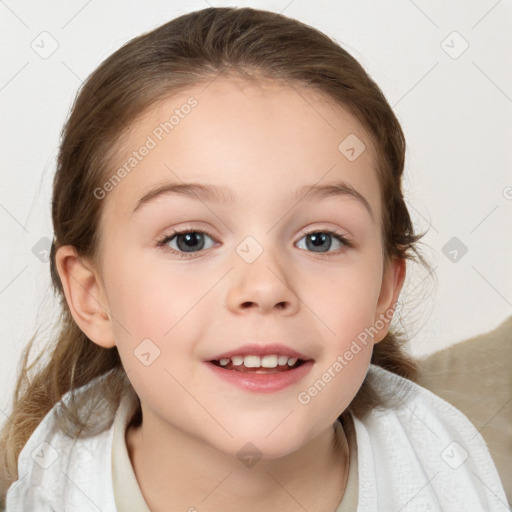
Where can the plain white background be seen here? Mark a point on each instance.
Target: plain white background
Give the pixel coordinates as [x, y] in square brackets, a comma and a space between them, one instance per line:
[443, 66]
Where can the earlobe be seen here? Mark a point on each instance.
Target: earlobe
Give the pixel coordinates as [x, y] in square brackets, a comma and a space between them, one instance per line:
[85, 296]
[392, 282]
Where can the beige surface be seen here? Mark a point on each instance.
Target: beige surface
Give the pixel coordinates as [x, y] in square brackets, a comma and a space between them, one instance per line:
[476, 377]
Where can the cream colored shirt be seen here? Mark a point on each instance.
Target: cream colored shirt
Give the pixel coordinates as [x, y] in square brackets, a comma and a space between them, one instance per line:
[127, 493]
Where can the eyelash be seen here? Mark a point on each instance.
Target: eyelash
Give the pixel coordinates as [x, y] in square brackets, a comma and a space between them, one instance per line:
[162, 243]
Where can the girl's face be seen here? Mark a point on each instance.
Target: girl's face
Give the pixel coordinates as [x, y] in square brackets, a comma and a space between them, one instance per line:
[255, 270]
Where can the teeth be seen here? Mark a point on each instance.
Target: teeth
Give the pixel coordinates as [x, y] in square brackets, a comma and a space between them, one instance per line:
[282, 360]
[268, 361]
[252, 361]
[237, 360]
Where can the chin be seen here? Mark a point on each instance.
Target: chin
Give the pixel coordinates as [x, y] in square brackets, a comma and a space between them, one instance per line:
[268, 440]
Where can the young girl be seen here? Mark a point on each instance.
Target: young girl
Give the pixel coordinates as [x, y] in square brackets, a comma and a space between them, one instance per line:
[230, 244]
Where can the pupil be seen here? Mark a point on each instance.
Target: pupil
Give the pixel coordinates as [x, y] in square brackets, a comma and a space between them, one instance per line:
[190, 240]
[317, 239]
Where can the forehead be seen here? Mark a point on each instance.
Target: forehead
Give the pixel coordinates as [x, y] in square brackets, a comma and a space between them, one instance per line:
[258, 138]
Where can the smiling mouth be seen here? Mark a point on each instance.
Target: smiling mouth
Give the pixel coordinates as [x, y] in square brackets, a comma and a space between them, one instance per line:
[271, 363]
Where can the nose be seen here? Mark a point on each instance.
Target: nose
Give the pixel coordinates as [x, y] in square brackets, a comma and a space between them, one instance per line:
[263, 286]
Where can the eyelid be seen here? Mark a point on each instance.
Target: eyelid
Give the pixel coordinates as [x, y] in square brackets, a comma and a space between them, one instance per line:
[346, 238]
[303, 232]
[180, 231]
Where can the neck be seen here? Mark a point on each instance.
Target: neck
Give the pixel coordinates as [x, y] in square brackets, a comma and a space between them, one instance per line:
[188, 473]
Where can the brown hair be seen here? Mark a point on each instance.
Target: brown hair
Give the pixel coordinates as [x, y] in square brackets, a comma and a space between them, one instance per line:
[192, 48]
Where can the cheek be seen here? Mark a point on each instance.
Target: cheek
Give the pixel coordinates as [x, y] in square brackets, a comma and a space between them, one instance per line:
[345, 313]
[149, 300]
[346, 299]
[337, 379]
[156, 310]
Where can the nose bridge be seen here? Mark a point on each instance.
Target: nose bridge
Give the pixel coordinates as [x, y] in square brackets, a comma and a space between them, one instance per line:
[260, 279]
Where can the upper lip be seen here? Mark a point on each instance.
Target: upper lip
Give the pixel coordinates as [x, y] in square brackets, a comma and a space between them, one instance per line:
[255, 349]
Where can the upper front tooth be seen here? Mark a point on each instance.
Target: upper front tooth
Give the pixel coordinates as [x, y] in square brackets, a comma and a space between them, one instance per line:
[269, 361]
[252, 361]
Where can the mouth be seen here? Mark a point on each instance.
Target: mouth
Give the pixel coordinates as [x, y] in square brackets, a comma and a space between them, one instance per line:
[261, 368]
[267, 364]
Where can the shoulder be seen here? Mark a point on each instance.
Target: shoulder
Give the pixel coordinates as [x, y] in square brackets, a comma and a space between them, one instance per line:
[55, 468]
[421, 453]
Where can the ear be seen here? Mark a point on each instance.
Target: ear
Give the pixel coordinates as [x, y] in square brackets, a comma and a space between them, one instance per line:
[85, 296]
[392, 281]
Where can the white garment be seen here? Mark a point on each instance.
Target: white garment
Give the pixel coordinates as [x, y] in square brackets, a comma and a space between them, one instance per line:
[420, 454]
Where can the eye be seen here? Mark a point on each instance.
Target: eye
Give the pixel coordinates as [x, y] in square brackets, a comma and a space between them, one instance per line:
[321, 241]
[185, 243]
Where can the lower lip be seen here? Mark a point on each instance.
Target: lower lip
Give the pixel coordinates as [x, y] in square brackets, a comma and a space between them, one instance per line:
[262, 382]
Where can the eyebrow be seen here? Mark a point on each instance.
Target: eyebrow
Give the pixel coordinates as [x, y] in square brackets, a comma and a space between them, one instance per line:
[223, 195]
